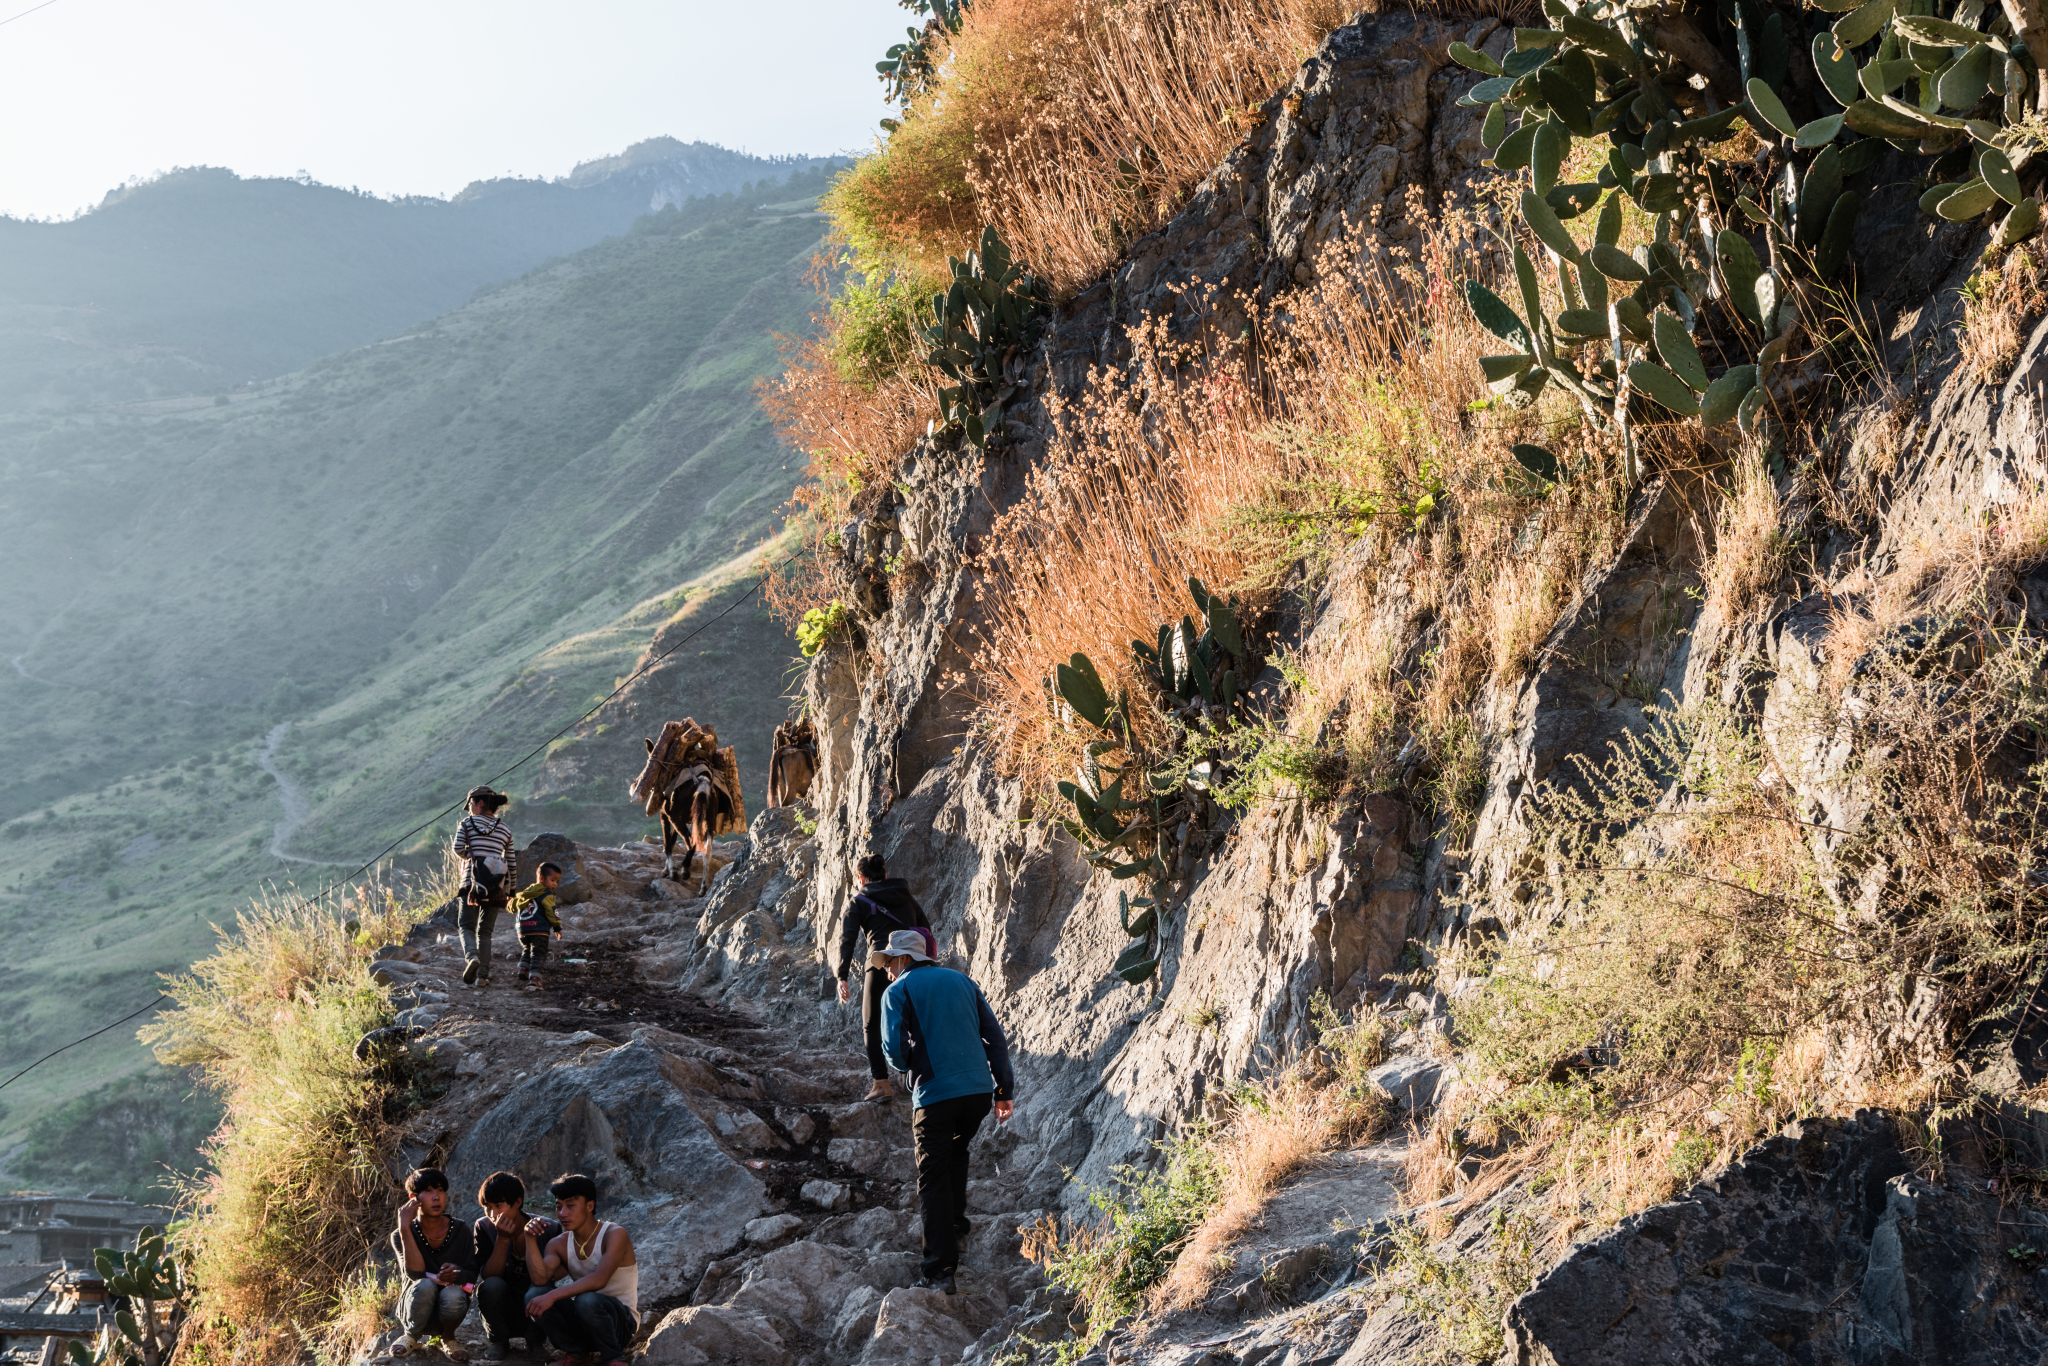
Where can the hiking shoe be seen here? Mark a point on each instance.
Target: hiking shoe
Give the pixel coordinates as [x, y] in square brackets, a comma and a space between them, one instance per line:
[469, 972]
[881, 1090]
[495, 1350]
[943, 1284]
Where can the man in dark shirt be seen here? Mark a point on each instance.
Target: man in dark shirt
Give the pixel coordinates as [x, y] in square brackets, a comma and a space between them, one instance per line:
[439, 1256]
[501, 1238]
[883, 906]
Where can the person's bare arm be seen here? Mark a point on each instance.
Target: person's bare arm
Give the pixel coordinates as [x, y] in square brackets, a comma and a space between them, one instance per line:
[618, 1245]
[501, 1244]
[415, 1260]
[543, 1261]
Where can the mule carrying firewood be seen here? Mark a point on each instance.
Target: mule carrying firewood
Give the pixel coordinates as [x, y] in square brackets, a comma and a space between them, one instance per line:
[793, 762]
[694, 787]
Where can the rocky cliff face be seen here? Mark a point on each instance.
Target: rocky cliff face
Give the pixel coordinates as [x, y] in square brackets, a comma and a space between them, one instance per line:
[1288, 906]
[1831, 1242]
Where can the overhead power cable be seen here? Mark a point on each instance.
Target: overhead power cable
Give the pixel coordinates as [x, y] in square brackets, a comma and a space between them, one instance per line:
[27, 12]
[160, 998]
[377, 858]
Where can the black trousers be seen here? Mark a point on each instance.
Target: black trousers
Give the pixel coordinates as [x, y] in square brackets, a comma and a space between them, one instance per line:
[533, 951]
[941, 1132]
[589, 1324]
[503, 1305]
[871, 988]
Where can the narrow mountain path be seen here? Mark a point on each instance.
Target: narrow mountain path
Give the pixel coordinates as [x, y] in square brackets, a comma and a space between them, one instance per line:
[772, 1208]
[296, 807]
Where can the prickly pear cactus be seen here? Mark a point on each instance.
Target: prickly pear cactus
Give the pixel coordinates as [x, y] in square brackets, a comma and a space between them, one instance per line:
[987, 318]
[152, 1288]
[1124, 830]
[1696, 322]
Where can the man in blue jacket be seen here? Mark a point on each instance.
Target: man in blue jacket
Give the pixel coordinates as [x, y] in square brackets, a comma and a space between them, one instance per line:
[936, 1026]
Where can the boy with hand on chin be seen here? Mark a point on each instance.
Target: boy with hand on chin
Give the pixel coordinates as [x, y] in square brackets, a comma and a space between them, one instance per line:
[439, 1254]
[592, 1310]
[503, 1242]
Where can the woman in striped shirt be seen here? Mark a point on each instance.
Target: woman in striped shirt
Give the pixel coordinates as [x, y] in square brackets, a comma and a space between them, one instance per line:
[490, 869]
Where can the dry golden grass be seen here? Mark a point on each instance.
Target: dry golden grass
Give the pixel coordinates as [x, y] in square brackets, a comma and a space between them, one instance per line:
[1749, 543]
[1998, 310]
[1071, 127]
[363, 1308]
[1936, 569]
[301, 1184]
[1159, 93]
[1273, 1129]
[1349, 418]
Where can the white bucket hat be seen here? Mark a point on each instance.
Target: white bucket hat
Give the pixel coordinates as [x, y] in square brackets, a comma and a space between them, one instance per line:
[902, 944]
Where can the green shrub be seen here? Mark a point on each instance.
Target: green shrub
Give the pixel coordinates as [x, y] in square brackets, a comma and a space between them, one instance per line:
[818, 626]
[1145, 1218]
[877, 317]
[1465, 1294]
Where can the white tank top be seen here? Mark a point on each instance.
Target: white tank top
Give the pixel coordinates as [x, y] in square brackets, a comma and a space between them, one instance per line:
[624, 1286]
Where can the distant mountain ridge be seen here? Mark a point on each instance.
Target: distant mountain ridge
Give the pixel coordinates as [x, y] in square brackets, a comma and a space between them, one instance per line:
[202, 280]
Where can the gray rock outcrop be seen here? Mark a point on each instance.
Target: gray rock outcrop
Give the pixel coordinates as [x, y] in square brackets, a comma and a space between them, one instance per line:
[790, 1219]
[623, 1119]
[1823, 1244]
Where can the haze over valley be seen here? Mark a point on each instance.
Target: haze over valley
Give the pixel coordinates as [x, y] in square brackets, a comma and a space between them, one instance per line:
[319, 508]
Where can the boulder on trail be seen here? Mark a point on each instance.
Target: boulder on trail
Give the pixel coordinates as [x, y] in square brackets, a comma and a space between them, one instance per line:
[660, 1172]
[706, 1333]
[559, 850]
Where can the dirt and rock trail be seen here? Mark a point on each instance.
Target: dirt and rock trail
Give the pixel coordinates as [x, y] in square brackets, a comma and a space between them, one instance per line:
[689, 1052]
[773, 1210]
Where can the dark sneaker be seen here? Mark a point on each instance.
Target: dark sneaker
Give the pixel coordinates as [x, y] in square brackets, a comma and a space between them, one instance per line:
[943, 1284]
[495, 1350]
[469, 972]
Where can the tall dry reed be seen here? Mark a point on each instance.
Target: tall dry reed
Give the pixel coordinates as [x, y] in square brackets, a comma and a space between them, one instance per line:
[301, 1183]
[1358, 415]
[1071, 127]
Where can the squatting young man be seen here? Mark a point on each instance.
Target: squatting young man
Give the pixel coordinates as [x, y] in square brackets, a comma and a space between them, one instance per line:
[439, 1255]
[586, 1279]
[502, 1244]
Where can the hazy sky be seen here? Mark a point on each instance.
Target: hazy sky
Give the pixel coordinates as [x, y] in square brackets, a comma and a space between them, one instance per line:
[418, 97]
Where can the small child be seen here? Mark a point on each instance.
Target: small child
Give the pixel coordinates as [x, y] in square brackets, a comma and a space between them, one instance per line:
[538, 918]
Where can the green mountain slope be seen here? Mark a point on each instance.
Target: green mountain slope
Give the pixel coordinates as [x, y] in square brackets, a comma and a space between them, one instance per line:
[200, 280]
[384, 578]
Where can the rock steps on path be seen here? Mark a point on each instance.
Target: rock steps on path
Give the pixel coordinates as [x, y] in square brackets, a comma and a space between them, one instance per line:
[773, 1213]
